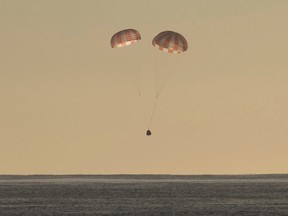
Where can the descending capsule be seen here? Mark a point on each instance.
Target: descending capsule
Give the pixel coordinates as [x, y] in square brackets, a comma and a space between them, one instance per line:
[148, 133]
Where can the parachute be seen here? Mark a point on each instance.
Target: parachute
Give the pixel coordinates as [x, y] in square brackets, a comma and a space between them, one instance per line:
[125, 38]
[170, 42]
[166, 41]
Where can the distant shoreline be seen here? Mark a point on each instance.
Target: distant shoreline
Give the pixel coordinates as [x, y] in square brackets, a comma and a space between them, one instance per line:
[145, 176]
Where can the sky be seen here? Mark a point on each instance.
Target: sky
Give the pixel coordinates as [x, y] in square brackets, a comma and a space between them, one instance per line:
[69, 103]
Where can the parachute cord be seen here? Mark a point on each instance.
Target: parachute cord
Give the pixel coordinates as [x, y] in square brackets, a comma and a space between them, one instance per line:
[153, 111]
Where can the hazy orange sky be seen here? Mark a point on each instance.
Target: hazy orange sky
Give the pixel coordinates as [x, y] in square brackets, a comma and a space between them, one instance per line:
[68, 102]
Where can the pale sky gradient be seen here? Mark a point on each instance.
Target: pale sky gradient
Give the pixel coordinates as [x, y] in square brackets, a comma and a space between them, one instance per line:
[68, 103]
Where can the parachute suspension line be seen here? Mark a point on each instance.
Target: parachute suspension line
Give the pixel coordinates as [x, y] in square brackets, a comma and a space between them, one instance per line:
[153, 111]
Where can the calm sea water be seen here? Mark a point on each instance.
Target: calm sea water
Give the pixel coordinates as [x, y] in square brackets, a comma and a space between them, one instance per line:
[144, 195]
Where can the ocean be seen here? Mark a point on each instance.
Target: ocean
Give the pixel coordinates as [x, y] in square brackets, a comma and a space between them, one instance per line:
[139, 195]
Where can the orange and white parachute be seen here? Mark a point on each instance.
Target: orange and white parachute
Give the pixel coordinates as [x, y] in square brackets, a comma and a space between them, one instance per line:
[167, 41]
[125, 37]
[170, 42]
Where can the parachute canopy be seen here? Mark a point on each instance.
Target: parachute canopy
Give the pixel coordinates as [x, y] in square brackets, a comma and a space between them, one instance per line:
[124, 38]
[170, 42]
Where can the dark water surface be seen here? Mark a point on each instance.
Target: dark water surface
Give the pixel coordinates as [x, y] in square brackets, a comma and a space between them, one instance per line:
[140, 195]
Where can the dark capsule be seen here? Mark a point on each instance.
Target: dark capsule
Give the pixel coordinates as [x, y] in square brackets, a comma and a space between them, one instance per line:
[148, 133]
